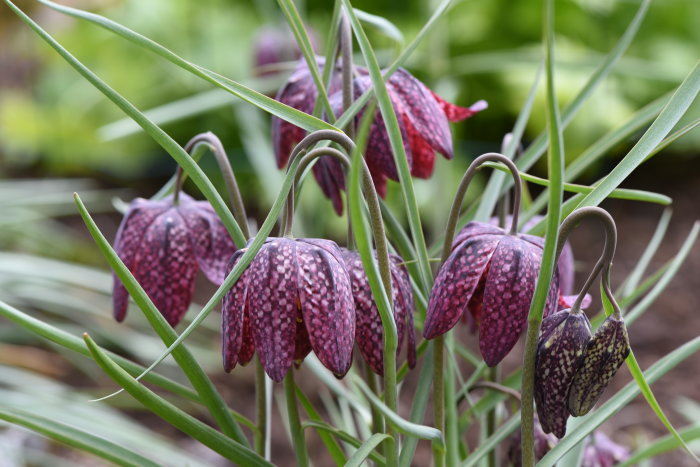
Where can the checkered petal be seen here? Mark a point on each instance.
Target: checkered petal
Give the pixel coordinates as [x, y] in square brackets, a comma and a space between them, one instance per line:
[233, 310]
[605, 353]
[211, 242]
[128, 244]
[326, 303]
[456, 282]
[559, 353]
[474, 229]
[510, 285]
[272, 305]
[455, 113]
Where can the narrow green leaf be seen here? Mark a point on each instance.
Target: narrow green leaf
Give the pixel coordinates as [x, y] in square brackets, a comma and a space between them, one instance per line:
[401, 424]
[194, 372]
[184, 422]
[418, 406]
[364, 451]
[251, 96]
[619, 400]
[397, 147]
[382, 24]
[673, 137]
[493, 441]
[332, 445]
[653, 403]
[619, 193]
[662, 445]
[75, 438]
[322, 427]
[663, 282]
[640, 268]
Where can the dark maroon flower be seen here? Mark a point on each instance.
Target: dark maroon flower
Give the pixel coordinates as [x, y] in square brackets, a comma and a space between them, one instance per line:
[294, 297]
[492, 275]
[163, 244]
[369, 333]
[604, 355]
[560, 348]
[565, 265]
[601, 451]
[423, 120]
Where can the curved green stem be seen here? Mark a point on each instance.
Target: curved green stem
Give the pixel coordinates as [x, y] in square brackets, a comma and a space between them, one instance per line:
[605, 259]
[235, 199]
[462, 190]
[297, 431]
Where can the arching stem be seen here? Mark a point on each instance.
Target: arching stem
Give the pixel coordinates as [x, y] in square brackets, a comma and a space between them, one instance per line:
[235, 200]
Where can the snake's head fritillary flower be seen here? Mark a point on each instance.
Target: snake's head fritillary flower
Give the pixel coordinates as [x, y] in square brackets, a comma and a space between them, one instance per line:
[560, 348]
[491, 274]
[163, 244]
[565, 265]
[601, 451]
[276, 44]
[294, 297]
[604, 355]
[423, 118]
[369, 333]
[543, 444]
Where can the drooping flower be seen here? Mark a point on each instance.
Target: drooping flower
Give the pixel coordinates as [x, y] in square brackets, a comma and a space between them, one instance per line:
[604, 355]
[294, 297]
[560, 348]
[369, 333]
[423, 119]
[491, 274]
[565, 264]
[163, 244]
[601, 451]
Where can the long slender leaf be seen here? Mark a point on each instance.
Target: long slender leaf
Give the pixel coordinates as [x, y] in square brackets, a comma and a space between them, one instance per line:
[322, 427]
[364, 451]
[162, 138]
[619, 400]
[640, 268]
[76, 438]
[202, 384]
[662, 445]
[200, 431]
[492, 441]
[382, 24]
[332, 445]
[418, 407]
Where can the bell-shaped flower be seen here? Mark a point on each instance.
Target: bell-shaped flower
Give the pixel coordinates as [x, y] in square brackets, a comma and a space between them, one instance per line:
[560, 348]
[601, 451]
[163, 244]
[294, 297]
[423, 119]
[491, 274]
[604, 355]
[369, 333]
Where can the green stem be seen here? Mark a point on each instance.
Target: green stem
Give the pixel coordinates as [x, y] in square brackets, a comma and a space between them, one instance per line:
[491, 422]
[234, 194]
[451, 422]
[347, 75]
[439, 397]
[377, 419]
[260, 407]
[298, 439]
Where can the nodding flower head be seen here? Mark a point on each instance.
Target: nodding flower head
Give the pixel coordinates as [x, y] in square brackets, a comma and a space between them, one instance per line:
[604, 354]
[560, 348]
[163, 244]
[490, 274]
[369, 333]
[423, 118]
[294, 297]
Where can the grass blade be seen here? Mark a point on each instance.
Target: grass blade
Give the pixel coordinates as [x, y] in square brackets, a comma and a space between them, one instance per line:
[364, 451]
[332, 445]
[194, 372]
[493, 441]
[662, 445]
[637, 273]
[76, 438]
[173, 415]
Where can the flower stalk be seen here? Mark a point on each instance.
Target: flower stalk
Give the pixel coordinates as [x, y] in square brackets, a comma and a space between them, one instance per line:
[295, 427]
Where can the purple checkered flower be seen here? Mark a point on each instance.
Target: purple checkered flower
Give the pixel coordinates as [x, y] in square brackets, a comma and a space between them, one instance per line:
[423, 118]
[560, 349]
[491, 274]
[601, 451]
[369, 333]
[163, 244]
[294, 297]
